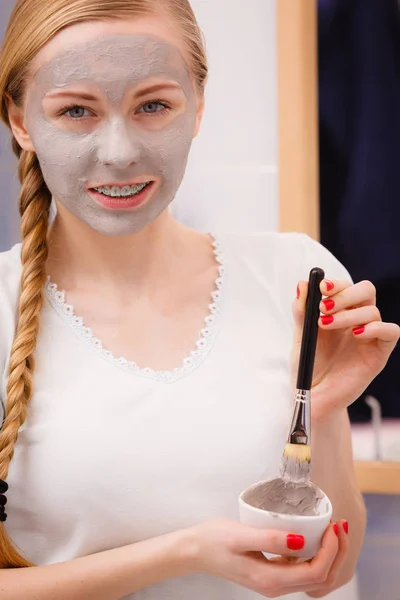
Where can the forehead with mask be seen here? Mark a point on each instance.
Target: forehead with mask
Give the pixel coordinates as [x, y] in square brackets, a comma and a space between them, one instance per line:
[114, 113]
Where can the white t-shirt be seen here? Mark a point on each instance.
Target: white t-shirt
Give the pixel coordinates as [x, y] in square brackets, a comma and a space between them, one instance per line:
[112, 454]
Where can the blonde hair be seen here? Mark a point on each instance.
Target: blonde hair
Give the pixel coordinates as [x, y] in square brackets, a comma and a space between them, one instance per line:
[32, 24]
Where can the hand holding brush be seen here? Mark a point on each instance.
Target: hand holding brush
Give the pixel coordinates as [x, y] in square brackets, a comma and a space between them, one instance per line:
[296, 460]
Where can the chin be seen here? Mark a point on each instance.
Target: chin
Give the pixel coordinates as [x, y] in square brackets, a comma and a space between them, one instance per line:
[124, 225]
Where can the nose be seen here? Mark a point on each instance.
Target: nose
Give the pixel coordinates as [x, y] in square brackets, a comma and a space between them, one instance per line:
[118, 146]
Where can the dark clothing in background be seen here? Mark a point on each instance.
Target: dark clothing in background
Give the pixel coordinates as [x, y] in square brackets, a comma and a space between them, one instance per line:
[359, 101]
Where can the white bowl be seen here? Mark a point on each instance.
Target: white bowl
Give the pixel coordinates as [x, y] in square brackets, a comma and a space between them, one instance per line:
[311, 527]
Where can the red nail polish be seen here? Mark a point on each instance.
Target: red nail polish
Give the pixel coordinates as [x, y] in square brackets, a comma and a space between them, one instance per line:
[295, 542]
[358, 330]
[327, 319]
[298, 292]
[329, 304]
[329, 285]
[336, 529]
[346, 527]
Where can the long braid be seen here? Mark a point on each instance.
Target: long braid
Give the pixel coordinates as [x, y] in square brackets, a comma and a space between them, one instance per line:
[34, 206]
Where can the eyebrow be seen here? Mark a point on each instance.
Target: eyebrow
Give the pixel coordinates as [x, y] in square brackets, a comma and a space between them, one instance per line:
[64, 94]
[157, 87]
[86, 96]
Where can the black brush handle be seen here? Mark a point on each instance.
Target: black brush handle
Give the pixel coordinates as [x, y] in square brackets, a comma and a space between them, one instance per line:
[310, 330]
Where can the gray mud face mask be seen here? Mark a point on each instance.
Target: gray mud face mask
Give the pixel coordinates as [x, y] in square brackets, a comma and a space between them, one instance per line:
[118, 149]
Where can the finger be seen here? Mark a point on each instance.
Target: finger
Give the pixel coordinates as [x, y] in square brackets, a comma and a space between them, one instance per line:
[340, 557]
[387, 334]
[337, 565]
[330, 287]
[270, 541]
[298, 310]
[302, 574]
[347, 319]
[359, 294]
[299, 303]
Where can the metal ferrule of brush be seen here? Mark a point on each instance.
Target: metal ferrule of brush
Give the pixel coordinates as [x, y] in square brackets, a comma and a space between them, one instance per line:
[300, 428]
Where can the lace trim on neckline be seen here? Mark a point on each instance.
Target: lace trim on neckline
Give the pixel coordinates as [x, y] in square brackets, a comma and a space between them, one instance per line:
[206, 336]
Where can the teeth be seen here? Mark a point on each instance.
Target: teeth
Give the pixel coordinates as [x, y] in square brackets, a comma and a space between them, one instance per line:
[116, 192]
[126, 191]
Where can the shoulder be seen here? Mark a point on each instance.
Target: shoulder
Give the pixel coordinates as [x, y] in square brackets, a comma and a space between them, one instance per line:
[274, 263]
[287, 255]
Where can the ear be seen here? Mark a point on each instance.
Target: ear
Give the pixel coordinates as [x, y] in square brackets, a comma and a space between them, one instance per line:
[18, 127]
[200, 112]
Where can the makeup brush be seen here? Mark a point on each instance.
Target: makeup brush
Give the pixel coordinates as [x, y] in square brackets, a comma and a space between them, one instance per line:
[296, 459]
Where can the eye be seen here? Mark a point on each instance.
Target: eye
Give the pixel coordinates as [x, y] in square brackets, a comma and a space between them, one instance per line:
[151, 108]
[74, 112]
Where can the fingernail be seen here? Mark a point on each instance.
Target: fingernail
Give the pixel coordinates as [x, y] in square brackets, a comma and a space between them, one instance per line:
[336, 529]
[346, 527]
[358, 330]
[329, 285]
[298, 292]
[329, 304]
[295, 542]
[327, 319]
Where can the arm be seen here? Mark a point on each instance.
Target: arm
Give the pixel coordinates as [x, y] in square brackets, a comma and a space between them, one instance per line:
[354, 345]
[333, 472]
[108, 575]
[219, 547]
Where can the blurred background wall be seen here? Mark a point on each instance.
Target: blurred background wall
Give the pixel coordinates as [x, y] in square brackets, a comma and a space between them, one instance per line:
[9, 185]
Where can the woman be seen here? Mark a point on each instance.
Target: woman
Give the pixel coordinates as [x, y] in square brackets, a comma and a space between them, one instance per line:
[127, 470]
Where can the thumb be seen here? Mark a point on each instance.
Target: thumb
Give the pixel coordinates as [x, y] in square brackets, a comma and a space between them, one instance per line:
[299, 309]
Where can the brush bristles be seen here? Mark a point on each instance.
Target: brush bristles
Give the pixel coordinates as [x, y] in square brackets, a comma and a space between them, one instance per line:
[296, 462]
[300, 452]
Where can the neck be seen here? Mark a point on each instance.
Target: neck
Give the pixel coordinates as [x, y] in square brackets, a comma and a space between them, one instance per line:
[81, 257]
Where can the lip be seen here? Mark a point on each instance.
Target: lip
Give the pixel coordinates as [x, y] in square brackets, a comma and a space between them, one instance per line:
[121, 203]
[122, 184]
